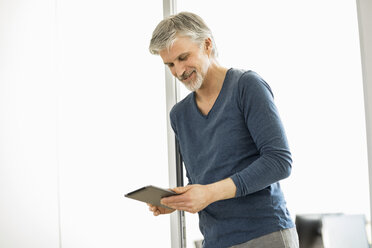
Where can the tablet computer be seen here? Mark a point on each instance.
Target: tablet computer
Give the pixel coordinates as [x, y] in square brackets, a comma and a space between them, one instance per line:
[151, 194]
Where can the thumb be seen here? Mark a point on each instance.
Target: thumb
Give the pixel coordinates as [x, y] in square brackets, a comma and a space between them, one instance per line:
[181, 190]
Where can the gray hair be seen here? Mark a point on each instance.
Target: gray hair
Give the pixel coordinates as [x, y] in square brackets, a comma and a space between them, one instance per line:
[183, 24]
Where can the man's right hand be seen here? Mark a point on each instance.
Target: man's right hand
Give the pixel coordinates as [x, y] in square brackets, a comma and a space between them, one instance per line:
[156, 210]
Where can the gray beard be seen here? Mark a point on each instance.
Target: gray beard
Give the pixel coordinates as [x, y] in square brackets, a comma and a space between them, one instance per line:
[194, 85]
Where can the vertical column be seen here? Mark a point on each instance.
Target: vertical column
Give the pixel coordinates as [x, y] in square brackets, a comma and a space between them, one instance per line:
[174, 159]
[365, 34]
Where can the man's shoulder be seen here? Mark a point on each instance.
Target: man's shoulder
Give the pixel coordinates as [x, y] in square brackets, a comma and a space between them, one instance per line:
[250, 81]
[243, 78]
[181, 105]
[246, 76]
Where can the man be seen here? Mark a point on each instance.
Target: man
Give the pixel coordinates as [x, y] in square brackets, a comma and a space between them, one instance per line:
[232, 142]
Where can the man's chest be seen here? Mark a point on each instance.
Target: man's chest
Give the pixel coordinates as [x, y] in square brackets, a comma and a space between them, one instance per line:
[206, 106]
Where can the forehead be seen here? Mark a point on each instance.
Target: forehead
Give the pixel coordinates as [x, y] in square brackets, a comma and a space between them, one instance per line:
[181, 45]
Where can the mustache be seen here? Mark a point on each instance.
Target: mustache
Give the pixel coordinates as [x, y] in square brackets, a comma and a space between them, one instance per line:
[185, 75]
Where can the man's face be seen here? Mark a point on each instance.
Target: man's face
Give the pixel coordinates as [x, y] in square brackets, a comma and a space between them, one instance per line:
[187, 61]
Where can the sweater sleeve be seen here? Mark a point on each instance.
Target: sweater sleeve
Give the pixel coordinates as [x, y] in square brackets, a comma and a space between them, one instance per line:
[172, 117]
[266, 129]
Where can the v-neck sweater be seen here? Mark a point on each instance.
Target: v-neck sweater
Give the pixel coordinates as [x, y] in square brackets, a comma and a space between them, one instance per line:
[241, 137]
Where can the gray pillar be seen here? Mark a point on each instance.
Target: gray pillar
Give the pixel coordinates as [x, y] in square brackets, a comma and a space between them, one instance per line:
[177, 219]
[365, 34]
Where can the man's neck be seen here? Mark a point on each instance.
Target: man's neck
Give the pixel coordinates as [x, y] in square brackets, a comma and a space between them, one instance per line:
[212, 83]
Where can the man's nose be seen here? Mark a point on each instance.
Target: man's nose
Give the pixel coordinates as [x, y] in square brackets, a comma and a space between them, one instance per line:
[179, 70]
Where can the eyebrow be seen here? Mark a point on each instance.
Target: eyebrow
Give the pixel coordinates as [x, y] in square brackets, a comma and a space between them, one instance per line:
[182, 54]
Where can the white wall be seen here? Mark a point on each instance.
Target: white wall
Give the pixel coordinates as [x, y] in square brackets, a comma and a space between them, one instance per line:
[28, 164]
[83, 121]
[112, 123]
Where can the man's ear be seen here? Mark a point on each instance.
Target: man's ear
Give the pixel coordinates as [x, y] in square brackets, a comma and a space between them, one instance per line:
[208, 46]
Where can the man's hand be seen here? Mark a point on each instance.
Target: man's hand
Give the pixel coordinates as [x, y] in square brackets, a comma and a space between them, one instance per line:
[156, 210]
[192, 198]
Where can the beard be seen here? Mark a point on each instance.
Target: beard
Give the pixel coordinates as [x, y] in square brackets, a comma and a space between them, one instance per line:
[192, 85]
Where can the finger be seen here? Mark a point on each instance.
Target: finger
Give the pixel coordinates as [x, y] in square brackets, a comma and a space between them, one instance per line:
[173, 199]
[184, 208]
[180, 205]
[150, 205]
[187, 207]
[165, 200]
[153, 208]
[181, 190]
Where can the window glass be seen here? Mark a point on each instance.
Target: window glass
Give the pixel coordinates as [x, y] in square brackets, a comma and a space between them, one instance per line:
[111, 123]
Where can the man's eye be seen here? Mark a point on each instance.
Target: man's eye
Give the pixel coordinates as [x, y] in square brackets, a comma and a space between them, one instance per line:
[183, 58]
[170, 65]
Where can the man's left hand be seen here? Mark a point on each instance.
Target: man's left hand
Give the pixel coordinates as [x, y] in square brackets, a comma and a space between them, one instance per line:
[192, 198]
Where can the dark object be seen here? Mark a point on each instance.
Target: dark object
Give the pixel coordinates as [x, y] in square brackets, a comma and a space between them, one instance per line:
[150, 194]
[309, 229]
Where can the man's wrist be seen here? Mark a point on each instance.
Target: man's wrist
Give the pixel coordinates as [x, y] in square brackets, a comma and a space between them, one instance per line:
[221, 190]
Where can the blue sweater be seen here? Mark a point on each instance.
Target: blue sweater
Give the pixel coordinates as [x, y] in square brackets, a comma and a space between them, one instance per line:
[243, 138]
